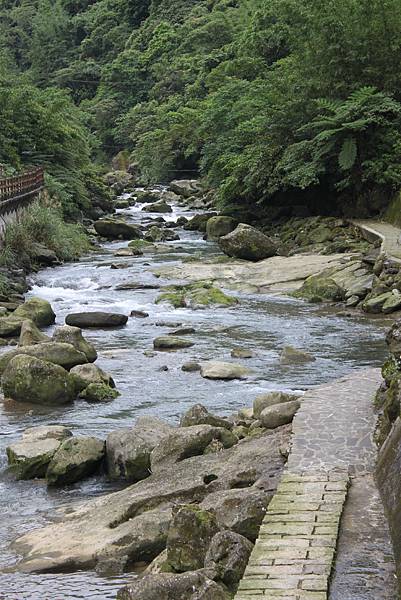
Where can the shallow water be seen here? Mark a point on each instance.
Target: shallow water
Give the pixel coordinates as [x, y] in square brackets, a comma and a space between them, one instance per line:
[263, 324]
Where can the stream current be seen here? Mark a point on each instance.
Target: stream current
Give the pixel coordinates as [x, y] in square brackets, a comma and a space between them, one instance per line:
[261, 323]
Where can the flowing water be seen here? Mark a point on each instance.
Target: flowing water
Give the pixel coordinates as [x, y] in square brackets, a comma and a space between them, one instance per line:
[263, 324]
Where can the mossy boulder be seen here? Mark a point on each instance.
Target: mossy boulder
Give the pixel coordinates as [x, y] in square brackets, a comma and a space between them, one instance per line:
[247, 243]
[89, 373]
[73, 335]
[320, 288]
[195, 295]
[167, 342]
[99, 392]
[37, 310]
[193, 585]
[114, 229]
[58, 353]
[10, 326]
[30, 334]
[199, 222]
[158, 207]
[228, 555]
[374, 304]
[142, 245]
[218, 226]
[191, 532]
[30, 379]
[295, 356]
[76, 458]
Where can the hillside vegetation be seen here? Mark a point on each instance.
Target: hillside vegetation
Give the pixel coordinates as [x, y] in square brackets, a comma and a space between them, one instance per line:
[271, 101]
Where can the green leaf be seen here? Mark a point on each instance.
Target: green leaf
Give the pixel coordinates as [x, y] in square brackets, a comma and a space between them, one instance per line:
[347, 156]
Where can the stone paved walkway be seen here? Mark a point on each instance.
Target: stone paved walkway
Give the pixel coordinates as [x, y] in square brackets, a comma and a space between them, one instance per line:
[332, 452]
[389, 234]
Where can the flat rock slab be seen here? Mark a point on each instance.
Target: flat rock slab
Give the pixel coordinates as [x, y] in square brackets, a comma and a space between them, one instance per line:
[223, 370]
[276, 274]
[96, 319]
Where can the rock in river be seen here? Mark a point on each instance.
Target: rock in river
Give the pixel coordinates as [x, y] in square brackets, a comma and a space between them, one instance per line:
[166, 342]
[96, 319]
[247, 243]
[29, 379]
[58, 353]
[30, 334]
[224, 370]
[73, 335]
[291, 355]
[76, 458]
[99, 392]
[218, 226]
[158, 207]
[84, 375]
[37, 310]
[128, 450]
[114, 229]
[29, 457]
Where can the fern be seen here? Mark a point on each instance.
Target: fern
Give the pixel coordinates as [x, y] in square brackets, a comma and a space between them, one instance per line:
[348, 154]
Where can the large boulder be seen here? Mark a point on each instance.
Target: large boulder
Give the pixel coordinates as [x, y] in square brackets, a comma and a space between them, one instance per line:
[157, 234]
[167, 342]
[195, 585]
[37, 310]
[185, 442]
[279, 414]
[266, 400]
[57, 353]
[76, 458]
[73, 335]
[199, 415]
[191, 531]
[10, 326]
[29, 379]
[320, 288]
[89, 373]
[99, 392]
[30, 457]
[30, 334]
[128, 450]
[96, 319]
[218, 226]
[199, 222]
[158, 207]
[228, 555]
[198, 295]
[241, 510]
[247, 243]
[186, 187]
[113, 229]
[224, 370]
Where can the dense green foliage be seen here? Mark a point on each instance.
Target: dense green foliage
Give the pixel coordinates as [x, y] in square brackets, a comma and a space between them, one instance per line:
[272, 101]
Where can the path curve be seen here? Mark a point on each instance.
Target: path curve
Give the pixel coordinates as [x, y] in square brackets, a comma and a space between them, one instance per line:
[389, 235]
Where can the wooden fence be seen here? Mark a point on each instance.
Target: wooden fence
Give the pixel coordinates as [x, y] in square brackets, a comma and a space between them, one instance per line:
[17, 191]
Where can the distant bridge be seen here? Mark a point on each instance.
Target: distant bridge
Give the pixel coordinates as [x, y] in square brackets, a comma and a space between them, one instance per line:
[16, 193]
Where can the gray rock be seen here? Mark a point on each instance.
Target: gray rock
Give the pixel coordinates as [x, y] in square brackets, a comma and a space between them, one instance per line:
[45, 432]
[199, 415]
[75, 459]
[247, 243]
[139, 314]
[84, 375]
[186, 187]
[186, 442]
[194, 585]
[191, 531]
[57, 353]
[241, 353]
[191, 367]
[96, 319]
[30, 334]
[223, 370]
[241, 510]
[73, 335]
[228, 555]
[279, 414]
[37, 310]
[29, 458]
[290, 356]
[128, 450]
[158, 207]
[29, 379]
[166, 342]
[265, 400]
[218, 226]
[114, 229]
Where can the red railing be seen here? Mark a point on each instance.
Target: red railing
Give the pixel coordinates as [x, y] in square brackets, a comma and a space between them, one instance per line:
[24, 186]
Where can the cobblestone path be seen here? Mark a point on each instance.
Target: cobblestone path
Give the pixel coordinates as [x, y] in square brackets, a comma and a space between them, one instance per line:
[305, 549]
[390, 235]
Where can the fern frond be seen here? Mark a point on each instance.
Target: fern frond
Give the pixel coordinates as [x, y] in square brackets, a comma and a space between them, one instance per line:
[348, 154]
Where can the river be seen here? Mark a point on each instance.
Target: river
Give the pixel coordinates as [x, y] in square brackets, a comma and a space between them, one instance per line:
[263, 324]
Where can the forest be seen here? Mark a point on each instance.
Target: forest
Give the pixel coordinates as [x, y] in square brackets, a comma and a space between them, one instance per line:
[269, 101]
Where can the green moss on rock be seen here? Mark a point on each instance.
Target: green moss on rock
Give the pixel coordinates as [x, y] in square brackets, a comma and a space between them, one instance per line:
[195, 295]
